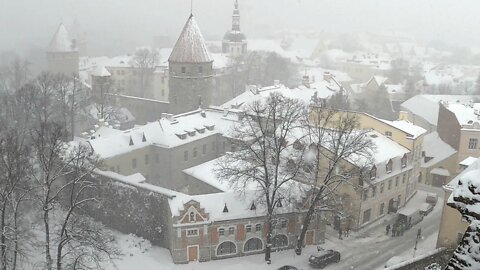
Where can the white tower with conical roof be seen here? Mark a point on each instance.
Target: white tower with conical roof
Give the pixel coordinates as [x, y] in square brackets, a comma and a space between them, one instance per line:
[62, 53]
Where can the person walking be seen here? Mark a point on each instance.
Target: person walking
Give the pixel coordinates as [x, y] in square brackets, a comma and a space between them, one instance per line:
[340, 233]
[394, 231]
[388, 228]
[419, 233]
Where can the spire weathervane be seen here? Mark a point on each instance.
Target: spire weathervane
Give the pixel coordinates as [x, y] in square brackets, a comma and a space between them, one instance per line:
[191, 7]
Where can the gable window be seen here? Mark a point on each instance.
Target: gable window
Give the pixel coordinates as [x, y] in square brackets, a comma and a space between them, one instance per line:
[192, 232]
[389, 166]
[404, 161]
[248, 228]
[221, 231]
[373, 172]
[258, 227]
[191, 217]
[472, 143]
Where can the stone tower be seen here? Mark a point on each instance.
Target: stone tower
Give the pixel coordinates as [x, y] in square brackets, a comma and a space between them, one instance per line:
[234, 41]
[79, 37]
[190, 71]
[62, 53]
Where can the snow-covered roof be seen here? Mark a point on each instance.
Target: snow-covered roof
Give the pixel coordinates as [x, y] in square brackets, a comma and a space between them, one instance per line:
[61, 41]
[473, 170]
[385, 148]
[101, 71]
[466, 115]
[321, 89]
[190, 46]
[435, 148]
[379, 80]
[468, 161]
[427, 107]
[169, 131]
[440, 171]
[394, 88]
[205, 173]
[407, 127]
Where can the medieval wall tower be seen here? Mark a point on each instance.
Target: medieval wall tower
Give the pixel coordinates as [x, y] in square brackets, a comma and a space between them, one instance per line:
[190, 71]
[62, 53]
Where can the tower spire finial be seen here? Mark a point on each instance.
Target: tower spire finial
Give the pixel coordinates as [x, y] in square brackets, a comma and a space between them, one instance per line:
[191, 7]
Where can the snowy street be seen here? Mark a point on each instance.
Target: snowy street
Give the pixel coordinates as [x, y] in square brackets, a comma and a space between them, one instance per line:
[368, 249]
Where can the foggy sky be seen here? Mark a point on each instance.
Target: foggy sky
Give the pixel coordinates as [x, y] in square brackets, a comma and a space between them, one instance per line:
[114, 25]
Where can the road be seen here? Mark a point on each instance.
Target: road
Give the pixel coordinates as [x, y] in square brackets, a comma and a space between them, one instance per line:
[371, 248]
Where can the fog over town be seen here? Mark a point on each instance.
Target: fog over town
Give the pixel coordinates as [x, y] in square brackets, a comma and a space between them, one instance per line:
[239, 134]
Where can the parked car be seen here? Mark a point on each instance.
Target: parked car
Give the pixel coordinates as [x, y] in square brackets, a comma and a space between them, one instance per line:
[324, 258]
[432, 198]
[425, 208]
[288, 267]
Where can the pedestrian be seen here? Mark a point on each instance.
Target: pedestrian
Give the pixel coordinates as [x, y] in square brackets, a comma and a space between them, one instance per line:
[394, 231]
[419, 233]
[402, 229]
[348, 229]
[388, 228]
[340, 233]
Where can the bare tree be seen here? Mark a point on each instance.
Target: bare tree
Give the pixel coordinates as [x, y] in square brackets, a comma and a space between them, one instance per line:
[264, 157]
[338, 150]
[144, 61]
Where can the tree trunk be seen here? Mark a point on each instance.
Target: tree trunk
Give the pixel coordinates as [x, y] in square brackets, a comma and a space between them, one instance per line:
[48, 256]
[3, 240]
[303, 233]
[268, 236]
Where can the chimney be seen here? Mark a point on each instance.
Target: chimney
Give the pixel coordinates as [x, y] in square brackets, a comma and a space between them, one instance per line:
[327, 76]
[203, 114]
[252, 88]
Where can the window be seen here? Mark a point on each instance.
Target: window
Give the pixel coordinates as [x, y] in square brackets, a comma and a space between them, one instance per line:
[134, 163]
[373, 172]
[226, 248]
[253, 244]
[404, 177]
[184, 69]
[204, 149]
[365, 194]
[389, 184]
[231, 230]
[146, 159]
[221, 231]
[388, 134]
[399, 199]
[404, 161]
[191, 217]
[185, 156]
[382, 187]
[213, 146]
[382, 208]
[396, 181]
[194, 152]
[366, 215]
[192, 232]
[248, 228]
[283, 224]
[374, 192]
[280, 240]
[200, 69]
[258, 227]
[389, 166]
[472, 143]
[157, 158]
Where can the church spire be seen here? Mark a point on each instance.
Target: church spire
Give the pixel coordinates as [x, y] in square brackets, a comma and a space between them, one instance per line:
[236, 18]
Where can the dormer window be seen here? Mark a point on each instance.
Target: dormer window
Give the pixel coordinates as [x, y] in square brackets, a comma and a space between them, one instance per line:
[373, 172]
[404, 161]
[181, 136]
[200, 130]
[191, 217]
[210, 127]
[389, 166]
[191, 133]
